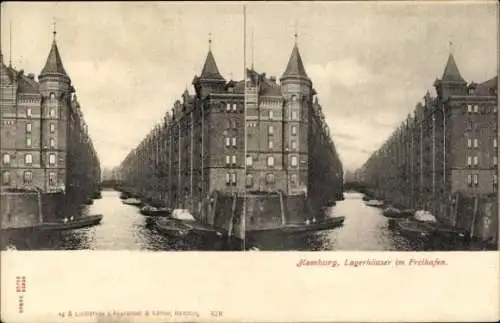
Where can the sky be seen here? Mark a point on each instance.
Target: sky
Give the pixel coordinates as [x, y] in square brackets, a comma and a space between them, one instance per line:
[370, 62]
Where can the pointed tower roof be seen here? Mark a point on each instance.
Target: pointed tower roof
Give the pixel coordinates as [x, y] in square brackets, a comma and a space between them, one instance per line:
[54, 63]
[295, 67]
[210, 70]
[451, 73]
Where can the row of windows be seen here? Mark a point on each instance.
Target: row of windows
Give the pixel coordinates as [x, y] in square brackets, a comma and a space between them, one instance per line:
[475, 160]
[270, 144]
[269, 161]
[475, 143]
[249, 181]
[52, 112]
[474, 108]
[231, 107]
[29, 127]
[230, 140]
[270, 129]
[28, 159]
[473, 179]
[27, 178]
[52, 142]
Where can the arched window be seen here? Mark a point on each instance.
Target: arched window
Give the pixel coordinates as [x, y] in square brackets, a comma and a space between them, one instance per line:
[269, 178]
[28, 159]
[6, 159]
[293, 180]
[52, 97]
[52, 159]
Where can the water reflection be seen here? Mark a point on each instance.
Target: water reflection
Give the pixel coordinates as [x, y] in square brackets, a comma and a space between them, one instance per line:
[124, 228]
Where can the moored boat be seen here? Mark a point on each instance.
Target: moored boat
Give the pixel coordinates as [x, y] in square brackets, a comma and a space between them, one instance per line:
[97, 195]
[149, 210]
[132, 201]
[89, 201]
[395, 213]
[414, 229]
[125, 195]
[183, 217]
[327, 224]
[83, 222]
[375, 203]
[172, 227]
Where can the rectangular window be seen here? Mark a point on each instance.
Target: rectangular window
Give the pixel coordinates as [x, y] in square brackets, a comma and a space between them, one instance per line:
[476, 161]
[28, 177]
[270, 130]
[52, 128]
[234, 125]
[233, 159]
[469, 179]
[249, 161]
[6, 178]
[228, 141]
[233, 178]
[476, 144]
[270, 144]
[228, 178]
[495, 160]
[228, 160]
[52, 179]
[495, 143]
[294, 130]
[469, 108]
[294, 161]
[295, 115]
[495, 179]
[271, 115]
[235, 107]
[234, 141]
[469, 143]
[28, 112]
[228, 107]
[294, 144]
[476, 108]
[52, 143]
[28, 127]
[28, 141]
[52, 159]
[476, 181]
[6, 159]
[52, 113]
[270, 161]
[469, 161]
[293, 180]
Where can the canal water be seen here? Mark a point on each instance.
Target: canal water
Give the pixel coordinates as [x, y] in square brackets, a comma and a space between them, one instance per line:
[124, 228]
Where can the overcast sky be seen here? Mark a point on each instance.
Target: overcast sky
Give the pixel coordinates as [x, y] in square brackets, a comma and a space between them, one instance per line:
[370, 62]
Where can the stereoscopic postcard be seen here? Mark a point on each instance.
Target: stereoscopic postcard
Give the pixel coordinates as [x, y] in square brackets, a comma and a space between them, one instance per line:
[249, 161]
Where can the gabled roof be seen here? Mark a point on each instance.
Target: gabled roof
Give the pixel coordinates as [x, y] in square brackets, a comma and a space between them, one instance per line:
[451, 73]
[54, 63]
[489, 87]
[27, 85]
[295, 67]
[210, 70]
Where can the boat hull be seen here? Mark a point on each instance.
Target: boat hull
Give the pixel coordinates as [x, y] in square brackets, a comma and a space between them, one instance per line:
[83, 222]
[329, 223]
[172, 228]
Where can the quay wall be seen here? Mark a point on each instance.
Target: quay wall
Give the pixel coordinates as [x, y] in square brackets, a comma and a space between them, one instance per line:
[19, 210]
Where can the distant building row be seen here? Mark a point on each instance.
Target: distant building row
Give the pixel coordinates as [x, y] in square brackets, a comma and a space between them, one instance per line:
[203, 147]
[448, 145]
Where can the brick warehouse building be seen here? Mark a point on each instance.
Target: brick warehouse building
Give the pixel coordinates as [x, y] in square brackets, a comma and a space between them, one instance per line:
[44, 139]
[199, 148]
[449, 146]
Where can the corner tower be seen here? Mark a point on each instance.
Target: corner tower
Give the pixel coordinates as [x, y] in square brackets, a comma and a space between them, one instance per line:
[452, 82]
[297, 93]
[210, 79]
[56, 90]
